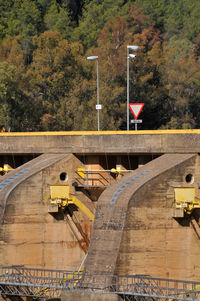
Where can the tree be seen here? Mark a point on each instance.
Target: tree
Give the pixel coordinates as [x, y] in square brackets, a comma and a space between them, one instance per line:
[24, 20]
[56, 69]
[74, 7]
[95, 15]
[17, 110]
[182, 79]
[156, 10]
[11, 52]
[57, 19]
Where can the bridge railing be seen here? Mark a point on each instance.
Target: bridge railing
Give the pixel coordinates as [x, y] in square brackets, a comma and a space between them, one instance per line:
[160, 288]
[94, 283]
[43, 283]
[19, 274]
[138, 285]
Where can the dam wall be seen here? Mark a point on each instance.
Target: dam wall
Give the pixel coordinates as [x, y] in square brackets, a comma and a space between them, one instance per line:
[104, 202]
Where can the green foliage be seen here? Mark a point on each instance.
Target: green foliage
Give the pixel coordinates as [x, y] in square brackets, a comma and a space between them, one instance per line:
[46, 82]
[5, 11]
[57, 68]
[16, 107]
[95, 15]
[156, 10]
[57, 19]
[180, 17]
[25, 19]
[75, 8]
[183, 18]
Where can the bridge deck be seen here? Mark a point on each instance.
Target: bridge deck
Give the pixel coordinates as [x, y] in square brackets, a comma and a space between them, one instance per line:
[157, 142]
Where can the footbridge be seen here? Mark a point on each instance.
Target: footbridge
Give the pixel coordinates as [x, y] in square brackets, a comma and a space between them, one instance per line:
[53, 284]
[100, 215]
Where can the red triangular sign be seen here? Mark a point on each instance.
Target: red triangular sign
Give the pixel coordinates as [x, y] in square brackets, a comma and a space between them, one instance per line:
[136, 109]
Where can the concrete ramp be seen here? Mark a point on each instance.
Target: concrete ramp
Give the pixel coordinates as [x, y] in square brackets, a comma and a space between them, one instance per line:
[113, 210]
[14, 178]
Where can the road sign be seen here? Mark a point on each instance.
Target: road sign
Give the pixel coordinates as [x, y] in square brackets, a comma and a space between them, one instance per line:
[98, 107]
[136, 121]
[136, 109]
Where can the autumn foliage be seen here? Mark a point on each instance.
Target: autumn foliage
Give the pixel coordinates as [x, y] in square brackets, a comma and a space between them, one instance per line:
[46, 82]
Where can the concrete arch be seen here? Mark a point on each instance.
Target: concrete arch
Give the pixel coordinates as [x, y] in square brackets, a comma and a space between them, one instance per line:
[14, 178]
[111, 250]
[32, 234]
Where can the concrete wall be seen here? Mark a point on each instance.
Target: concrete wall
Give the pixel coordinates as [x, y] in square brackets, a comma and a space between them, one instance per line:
[135, 231]
[154, 242]
[33, 237]
[82, 296]
[134, 234]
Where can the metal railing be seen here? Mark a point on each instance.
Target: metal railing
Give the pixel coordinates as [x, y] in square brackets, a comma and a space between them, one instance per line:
[38, 283]
[159, 288]
[45, 284]
[19, 274]
[95, 179]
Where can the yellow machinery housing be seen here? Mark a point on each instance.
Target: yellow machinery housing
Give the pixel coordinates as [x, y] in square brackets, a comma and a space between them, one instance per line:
[61, 197]
[185, 199]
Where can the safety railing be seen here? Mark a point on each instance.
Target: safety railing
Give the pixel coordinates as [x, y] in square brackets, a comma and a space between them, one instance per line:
[98, 178]
[24, 275]
[94, 179]
[37, 283]
[40, 283]
[159, 288]
[94, 283]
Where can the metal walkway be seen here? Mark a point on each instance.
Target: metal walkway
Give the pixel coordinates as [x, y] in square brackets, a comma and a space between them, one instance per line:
[17, 281]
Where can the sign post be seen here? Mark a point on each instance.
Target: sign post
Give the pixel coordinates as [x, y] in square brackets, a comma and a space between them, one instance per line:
[136, 109]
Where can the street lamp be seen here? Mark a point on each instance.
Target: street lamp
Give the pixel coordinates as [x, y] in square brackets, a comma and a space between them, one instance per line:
[132, 56]
[98, 106]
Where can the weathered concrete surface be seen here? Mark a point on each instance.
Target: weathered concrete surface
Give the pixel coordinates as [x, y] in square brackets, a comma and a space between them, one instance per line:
[134, 230]
[169, 141]
[153, 240]
[82, 296]
[31, 168]
[30, 235]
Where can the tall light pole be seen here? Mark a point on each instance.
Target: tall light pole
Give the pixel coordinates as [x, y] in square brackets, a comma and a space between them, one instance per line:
[134, 48]
[98, 106]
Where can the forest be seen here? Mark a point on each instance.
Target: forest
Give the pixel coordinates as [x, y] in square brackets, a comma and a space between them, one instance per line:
[47, 83]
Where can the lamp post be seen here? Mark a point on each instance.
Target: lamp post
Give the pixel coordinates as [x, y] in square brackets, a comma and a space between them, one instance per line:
[98, 106]
[134, 48]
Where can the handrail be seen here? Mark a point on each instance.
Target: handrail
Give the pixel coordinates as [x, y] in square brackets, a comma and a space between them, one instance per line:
[88, 180]
[44, 283]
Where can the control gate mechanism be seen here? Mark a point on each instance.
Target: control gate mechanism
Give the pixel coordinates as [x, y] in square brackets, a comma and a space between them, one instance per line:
[60, 197]
[185, 200]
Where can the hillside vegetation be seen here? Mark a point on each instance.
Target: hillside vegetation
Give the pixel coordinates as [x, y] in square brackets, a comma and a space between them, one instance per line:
[47, 83]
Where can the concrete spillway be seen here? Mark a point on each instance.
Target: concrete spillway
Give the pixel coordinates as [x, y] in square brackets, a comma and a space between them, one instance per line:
[29, 234]
[135, 231]
[10, 181]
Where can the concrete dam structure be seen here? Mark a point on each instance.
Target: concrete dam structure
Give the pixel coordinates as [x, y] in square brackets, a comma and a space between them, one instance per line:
[100, 215]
